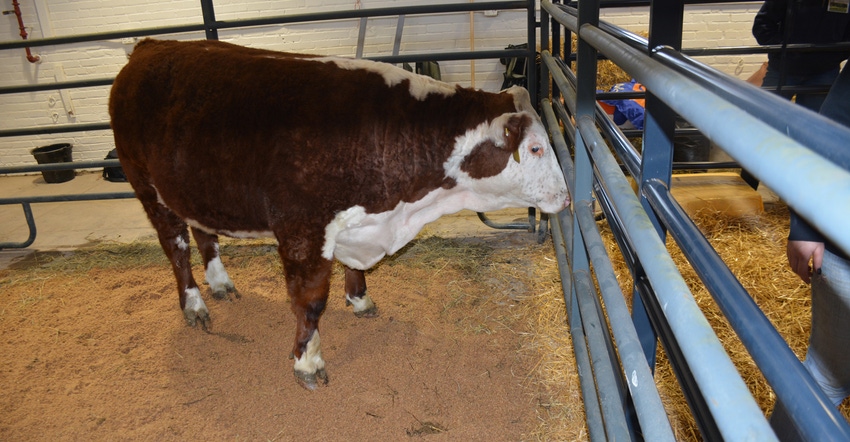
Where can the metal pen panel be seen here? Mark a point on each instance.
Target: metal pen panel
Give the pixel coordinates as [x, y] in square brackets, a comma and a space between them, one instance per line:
[733, 407]
[792, 383]
[819, 133]
[593, 414]
[650, 411]
[765, 152]
[610, 401]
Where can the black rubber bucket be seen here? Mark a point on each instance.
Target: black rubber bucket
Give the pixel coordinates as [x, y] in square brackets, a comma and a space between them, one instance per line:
[55, 153]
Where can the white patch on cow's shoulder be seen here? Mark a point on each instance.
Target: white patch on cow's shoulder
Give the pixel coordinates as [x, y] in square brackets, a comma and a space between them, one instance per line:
[360, 304]
[359, 240]
[420, 85]
[342, 221]
[311, 360]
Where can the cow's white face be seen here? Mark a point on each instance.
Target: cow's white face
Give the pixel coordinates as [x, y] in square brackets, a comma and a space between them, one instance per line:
[509, 163]
[541, 180]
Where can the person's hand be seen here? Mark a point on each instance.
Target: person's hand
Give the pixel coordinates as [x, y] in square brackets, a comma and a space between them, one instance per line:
[800, 254]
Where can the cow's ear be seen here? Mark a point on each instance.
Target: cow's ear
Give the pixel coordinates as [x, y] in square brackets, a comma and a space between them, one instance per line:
[514, 131]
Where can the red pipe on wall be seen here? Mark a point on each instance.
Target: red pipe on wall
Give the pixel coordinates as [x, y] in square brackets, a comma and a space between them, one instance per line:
[30, 57]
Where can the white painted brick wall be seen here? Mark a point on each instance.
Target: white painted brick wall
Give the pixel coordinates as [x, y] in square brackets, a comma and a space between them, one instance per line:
[705, 26]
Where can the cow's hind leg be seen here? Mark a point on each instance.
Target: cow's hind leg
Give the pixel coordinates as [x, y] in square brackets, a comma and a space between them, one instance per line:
[355, 294]
[174, 237]
[220, 283]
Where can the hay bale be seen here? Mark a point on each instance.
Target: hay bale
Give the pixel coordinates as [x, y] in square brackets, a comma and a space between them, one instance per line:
[607, 72]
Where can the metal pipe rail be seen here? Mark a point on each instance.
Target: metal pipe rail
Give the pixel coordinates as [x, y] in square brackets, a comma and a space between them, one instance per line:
[268, 21]
[745, 127]
[60, 129]
[819, 134]
[768, 153]
[26, 201]
[792, 383]
[650, 411]
[700, 348]
[57, 85]
[59, 166]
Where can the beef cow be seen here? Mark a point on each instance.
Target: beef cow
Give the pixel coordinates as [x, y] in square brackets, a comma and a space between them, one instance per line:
[333, 157]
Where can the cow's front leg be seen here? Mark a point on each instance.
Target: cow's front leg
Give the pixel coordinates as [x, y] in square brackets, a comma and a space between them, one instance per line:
[308, 284]
[355, 294]
[220, 283]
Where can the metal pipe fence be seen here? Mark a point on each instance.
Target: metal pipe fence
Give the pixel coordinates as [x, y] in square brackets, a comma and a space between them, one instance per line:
[767, 135]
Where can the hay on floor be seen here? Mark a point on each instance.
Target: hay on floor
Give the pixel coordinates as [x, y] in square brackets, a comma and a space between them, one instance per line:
[754, 249]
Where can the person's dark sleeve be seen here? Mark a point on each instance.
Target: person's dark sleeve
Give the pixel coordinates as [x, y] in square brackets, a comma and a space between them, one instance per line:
[767, 25]
[846, 36]
[800, 230]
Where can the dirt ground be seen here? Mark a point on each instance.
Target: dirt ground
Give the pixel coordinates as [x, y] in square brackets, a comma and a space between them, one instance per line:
[95, 348]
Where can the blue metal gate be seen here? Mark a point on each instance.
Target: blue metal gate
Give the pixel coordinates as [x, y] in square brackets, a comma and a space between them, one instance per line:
[765, 134]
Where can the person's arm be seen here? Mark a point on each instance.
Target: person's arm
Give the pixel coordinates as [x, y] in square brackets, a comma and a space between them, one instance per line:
[805, 246]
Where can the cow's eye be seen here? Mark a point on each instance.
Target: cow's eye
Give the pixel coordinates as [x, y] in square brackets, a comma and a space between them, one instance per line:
[535, 149]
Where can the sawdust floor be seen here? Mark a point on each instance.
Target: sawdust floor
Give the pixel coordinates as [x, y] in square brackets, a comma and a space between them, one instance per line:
[95, 348]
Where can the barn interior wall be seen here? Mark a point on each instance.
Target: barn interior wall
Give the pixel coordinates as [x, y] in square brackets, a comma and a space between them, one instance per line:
[705, 26]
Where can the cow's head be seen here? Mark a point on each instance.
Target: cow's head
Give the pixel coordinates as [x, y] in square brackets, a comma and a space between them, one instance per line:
[508, 162]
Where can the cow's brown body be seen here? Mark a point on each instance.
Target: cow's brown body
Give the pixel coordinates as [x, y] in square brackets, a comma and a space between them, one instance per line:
[332, 157]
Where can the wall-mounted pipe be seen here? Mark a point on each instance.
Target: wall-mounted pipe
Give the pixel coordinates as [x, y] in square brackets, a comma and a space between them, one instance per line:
[17, 11]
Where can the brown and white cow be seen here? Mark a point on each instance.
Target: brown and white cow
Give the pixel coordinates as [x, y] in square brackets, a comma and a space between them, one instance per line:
[333, 157]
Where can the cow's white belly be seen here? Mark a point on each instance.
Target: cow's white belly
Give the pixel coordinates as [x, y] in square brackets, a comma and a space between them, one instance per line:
[359, 240]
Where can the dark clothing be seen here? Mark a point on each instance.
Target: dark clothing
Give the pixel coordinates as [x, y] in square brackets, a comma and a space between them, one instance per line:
[835, 108]
[810, 23]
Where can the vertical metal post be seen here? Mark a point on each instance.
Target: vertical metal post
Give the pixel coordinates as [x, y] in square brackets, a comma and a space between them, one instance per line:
[555, 46]
[545, 45]
[588, 13]
[531, 64]
[209, 19]
[32, 229]
[665, 28]
[361, 37]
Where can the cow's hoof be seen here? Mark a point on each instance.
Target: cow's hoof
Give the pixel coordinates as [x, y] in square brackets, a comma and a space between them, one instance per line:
[371, 312]
[223, 293]
[363, 306]
[202, 317]
[310, 381]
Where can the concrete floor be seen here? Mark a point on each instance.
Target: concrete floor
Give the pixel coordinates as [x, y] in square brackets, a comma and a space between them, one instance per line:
[68, 225]
[63, 226]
